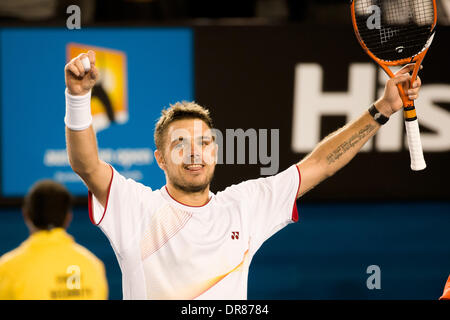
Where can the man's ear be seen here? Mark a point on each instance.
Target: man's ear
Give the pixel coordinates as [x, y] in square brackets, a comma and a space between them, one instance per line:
[68, 220]
[160, 159]
[27, 220]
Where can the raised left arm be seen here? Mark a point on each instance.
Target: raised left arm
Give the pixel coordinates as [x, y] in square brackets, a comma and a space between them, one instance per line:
[338, 148]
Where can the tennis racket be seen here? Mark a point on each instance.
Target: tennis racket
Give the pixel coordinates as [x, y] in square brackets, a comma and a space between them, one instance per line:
[395, 33]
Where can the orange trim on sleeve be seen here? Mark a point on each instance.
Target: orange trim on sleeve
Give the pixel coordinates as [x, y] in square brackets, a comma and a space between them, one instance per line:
[446, 294]
[91, 209]
[295, 209]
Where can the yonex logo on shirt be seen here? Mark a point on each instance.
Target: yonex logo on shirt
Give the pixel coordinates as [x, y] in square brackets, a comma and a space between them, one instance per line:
[234, 235]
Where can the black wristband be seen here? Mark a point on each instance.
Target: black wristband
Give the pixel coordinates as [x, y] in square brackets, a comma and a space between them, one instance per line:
[377, 115]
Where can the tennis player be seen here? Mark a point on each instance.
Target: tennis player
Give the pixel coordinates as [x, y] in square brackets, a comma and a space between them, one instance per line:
[182, 241]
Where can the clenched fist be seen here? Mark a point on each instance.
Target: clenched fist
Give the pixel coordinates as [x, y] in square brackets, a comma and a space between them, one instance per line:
[81, 74]
[391, 101]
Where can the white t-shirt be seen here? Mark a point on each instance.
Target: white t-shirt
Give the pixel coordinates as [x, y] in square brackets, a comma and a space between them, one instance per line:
[167, 250]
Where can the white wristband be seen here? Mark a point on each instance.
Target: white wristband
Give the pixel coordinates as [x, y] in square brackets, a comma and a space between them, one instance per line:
[78, 111]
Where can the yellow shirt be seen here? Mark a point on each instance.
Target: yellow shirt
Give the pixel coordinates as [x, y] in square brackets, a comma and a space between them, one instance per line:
[51, 265]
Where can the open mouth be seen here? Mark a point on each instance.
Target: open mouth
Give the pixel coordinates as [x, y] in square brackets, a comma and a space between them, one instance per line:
[194, 167]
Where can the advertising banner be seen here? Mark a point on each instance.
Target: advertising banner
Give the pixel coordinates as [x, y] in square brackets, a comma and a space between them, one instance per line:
[302, 82]
[141, 72]
[274, 93]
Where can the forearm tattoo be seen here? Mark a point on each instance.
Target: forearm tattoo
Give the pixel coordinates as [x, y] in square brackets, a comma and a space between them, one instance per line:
[350, 143]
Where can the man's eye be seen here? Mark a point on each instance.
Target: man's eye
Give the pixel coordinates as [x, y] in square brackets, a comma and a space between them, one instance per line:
[179, 145]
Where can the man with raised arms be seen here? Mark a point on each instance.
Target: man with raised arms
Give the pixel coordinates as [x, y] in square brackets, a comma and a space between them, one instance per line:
[182, 241]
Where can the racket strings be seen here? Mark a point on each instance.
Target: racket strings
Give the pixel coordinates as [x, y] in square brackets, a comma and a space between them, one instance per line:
[403, 11]
[394, 29]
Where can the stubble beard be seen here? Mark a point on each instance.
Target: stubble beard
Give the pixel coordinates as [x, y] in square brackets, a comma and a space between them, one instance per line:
[189, 187]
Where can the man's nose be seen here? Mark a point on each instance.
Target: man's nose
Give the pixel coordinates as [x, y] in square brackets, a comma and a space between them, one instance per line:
[195, 150]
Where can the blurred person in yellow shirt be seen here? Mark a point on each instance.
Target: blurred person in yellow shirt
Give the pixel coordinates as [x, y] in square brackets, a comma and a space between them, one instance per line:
[50, 264]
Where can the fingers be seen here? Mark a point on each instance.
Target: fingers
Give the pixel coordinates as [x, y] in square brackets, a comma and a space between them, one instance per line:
[82, 64]
[406, 69]
[94, 72]
[88, 60]
[411, 90]
[403, 78]
[71, 67]
[417, 83]
[91, 56]
[413, 93]
[79, 66]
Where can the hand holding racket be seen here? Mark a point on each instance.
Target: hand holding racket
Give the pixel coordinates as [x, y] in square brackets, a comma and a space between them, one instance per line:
[392, 101]
[393, 33]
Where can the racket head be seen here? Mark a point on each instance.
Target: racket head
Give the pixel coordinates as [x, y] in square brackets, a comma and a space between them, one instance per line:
[394, 32]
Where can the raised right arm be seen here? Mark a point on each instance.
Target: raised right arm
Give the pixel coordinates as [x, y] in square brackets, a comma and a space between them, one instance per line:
[80, 136]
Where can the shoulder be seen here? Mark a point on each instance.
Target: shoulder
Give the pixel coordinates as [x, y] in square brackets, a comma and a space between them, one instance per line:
[135, 193]
[237, 191]
[12, 258]
[122, 181]
[249, 187]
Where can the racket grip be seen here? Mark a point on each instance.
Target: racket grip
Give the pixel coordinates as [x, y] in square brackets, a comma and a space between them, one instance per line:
[415, 145]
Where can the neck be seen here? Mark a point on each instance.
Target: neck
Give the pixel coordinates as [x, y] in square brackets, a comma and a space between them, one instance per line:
[194, 199]
[31, 228]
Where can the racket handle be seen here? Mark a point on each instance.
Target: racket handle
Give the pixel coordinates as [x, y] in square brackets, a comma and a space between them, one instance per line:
[415, 145]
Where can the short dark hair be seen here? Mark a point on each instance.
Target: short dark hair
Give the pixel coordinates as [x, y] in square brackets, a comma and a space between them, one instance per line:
[47, 204]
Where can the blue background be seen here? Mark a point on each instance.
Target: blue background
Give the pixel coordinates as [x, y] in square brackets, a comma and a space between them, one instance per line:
[323, 256]
[160, 71]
